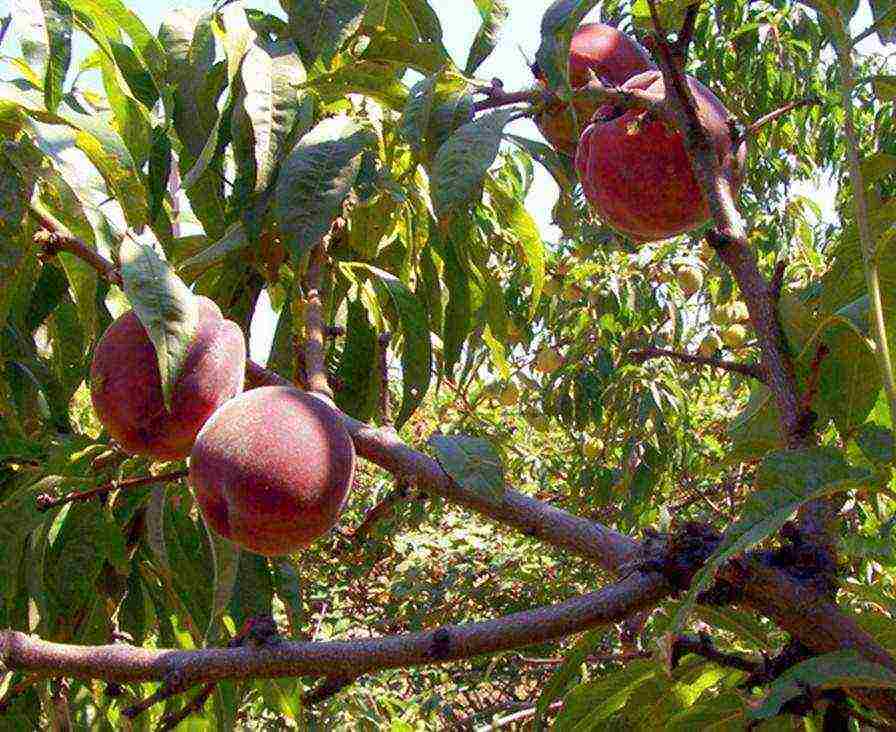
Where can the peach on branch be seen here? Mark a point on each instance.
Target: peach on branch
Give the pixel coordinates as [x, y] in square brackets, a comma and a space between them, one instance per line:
[595, 48]
[126, 387]
[635, 170]
[272, 469]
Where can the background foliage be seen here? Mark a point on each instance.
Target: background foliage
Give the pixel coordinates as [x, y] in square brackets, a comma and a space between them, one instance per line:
[259, 131]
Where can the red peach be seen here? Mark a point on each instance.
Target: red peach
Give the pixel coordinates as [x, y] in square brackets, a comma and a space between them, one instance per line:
[126, 387]
[272, 469]
[636, 173]
[613, 56]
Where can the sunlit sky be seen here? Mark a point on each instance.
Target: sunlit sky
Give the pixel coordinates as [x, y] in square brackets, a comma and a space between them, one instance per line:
[509, 62]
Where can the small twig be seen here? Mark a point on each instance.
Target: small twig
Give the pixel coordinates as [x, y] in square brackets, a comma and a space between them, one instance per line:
[315, 357]
[382, 510]
[327, 688]
[194, 706]
[385, 405]
[46, 502]
[686, 34]
[519, 716]
[777, 284]
[174, 684]
[703, 646]
[596, 658]
[499, 98]
[4, 26]
[812, 384]
[55, 238]
[754, 127]
[746, 369]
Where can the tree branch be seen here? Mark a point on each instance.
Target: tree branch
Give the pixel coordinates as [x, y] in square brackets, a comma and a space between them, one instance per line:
[56, 238]
[315, 326]
[45, 502]
[607, 548]
[746, 369]
[776, 114]
[179, 670]
[702, 645]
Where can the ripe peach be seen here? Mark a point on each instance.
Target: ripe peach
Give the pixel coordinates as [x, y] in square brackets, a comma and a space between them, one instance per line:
[126, 387]
[272, 469]
[635, 170]
[613, 56]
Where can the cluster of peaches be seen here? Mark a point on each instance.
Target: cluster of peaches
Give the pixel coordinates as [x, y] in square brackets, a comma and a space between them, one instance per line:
[633, 167]
[270, 467]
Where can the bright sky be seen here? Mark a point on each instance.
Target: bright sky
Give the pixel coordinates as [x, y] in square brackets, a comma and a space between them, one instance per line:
[509, 62]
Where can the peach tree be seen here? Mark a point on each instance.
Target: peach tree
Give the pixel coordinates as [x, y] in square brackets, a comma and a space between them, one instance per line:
[676, 418]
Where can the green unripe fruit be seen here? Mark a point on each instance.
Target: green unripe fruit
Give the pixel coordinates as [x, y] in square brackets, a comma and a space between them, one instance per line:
[710, 344]
[538, 421]
[548, 360]
[734, 336]
[551, 287]
[593, 448]
[690, 279]
[509, 395]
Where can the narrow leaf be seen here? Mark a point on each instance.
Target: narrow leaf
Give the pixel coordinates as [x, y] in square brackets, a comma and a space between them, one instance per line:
[315, 180]
[165, 306]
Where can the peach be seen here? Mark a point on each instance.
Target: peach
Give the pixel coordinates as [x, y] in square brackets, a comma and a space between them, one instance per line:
[126, 387]
[636, 173]
[272, 468]
[613, 56]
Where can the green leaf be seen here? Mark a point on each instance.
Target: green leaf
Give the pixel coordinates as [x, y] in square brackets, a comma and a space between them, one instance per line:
[784, 481]
[159, 170]
[165, 306]
[458, 312]
[271, 74]
[254, 590]
[517, 221]
[723, 713]
[100, 142]
[416, 356]
[876, 443]
[237, 38]
[315, 180]
[155, 527]
[436, 107]
[884, 87]
[357, 365]
[234, 240]
[590, 703]
[558, 24]
[838, 670]
[472, 463]
[115, 17]
[226, 559]
[45, 34]
[321, 27]
[369, 78]
[464, 160]
[76, 556]
[566, 672]
[494, 14]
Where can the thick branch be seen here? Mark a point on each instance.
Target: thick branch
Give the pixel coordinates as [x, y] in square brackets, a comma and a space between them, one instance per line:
[315, 325]
[20, 652]
[607, 548]
[747, 369]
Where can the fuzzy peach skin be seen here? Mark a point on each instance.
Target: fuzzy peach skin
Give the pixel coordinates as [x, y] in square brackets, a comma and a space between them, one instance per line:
[613, 56]
[636, 173]
[271, 469]
[126, 388]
